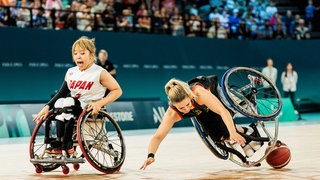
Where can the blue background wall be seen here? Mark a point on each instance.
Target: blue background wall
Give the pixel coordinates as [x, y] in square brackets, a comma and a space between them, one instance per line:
[34, 62]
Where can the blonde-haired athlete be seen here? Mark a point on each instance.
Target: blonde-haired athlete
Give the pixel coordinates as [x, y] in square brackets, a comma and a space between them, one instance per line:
[197, 101]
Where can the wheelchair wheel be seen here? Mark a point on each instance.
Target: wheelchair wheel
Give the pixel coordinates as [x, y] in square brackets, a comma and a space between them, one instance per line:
[243, 89]
[38, 145]
[101, 141]
[218, 152]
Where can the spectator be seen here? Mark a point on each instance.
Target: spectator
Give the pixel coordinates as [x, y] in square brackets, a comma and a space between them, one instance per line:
[3, 18]
[67, 20]
[234, 21]
[35, 5]
[142, 7]
[270, 72]
[4, 2]
[144, 21]
[100, 7]
[56, 4]
[224, 20]
[84, 18]
[249, 12]
[289, 79]
[279, 33]
[14, 12]
[242, 30]
[176, 23]
[39, 20]
[294, 24]
[217, 31]
[265, 31]
[253, 27]
[302, 32]
[160, 24]
[109, 18]
[23, 19]
[287, 20]
[125, 21]
[155, 5]
[193, 26]
[169, 5]
[309, 9]
[194, 10]
[204, 8]
[271, 9]
[214, 15]
[274, 18]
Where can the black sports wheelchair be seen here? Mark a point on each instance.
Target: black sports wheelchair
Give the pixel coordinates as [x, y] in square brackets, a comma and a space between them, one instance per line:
[241, 90]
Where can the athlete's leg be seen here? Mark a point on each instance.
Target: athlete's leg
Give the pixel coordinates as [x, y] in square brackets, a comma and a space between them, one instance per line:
[71, 111]
[251, 146]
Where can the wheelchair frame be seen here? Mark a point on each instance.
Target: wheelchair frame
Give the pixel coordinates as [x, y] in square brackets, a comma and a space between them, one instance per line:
[98, 137]
[248, 95]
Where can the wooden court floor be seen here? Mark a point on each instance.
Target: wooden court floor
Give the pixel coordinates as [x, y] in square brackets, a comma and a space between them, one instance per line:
[181, 156]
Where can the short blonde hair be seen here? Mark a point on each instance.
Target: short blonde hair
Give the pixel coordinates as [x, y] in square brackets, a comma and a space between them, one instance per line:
[177, 91]
[103, 52]
[85, 43]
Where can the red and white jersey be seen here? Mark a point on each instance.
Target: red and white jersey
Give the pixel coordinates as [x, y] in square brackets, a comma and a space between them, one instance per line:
[85, 85]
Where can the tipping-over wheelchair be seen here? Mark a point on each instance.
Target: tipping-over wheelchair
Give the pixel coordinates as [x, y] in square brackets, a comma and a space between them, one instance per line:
[241, 90]
[97, 139]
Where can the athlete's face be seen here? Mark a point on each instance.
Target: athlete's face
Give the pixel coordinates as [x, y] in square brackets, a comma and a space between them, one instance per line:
[82, 58]
[102, 57]
[184, 106]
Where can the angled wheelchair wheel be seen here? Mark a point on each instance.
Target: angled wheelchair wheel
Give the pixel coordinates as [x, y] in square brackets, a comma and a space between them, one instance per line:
[38, 144]
[218, 152]
[101, 141]
[243, 89]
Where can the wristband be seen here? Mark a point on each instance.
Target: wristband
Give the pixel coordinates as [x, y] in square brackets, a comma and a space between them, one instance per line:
[151, 155]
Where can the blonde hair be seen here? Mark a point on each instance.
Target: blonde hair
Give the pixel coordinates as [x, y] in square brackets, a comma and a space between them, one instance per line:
[85, 43]
[103, 52]
[177, 91]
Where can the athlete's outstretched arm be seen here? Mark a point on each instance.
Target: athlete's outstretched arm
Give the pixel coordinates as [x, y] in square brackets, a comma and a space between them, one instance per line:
[169, 118]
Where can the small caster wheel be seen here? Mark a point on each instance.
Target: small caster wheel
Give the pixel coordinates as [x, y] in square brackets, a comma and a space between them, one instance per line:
[76, 166]
[39, 169]
[65, 169]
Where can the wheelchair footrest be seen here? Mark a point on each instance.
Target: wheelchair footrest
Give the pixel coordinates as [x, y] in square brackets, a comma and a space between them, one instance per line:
[58, 161]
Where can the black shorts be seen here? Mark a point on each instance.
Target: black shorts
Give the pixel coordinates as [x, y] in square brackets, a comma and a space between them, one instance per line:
[213, 125]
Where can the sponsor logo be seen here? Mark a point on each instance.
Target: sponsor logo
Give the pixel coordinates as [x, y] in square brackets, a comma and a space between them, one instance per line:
[158, 113]
[122, 116]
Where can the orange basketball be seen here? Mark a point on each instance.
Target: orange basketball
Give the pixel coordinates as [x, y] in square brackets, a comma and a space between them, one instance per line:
[280, 156]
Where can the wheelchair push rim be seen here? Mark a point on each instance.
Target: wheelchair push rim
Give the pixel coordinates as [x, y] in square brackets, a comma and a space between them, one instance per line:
[101, 141]
[37, 147]
[243, 89]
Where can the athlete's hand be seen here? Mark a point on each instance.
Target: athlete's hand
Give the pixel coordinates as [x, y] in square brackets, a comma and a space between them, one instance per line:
[43, 113]
[237, 138]
[95, 107]
[147, 162]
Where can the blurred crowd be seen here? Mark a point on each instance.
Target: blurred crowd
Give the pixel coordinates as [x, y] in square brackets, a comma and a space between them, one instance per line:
[220, 19]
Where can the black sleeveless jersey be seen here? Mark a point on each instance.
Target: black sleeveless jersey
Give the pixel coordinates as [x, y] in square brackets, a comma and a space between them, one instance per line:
[196, 110]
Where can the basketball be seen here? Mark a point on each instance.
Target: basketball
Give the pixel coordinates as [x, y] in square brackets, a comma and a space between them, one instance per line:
[280, 156]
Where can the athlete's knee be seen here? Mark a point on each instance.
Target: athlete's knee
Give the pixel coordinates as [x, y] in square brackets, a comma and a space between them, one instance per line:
[58, 109]
[67, 108]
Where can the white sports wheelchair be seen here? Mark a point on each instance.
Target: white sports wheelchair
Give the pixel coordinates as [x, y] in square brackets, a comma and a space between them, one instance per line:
[241, 90]
[97, 139]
